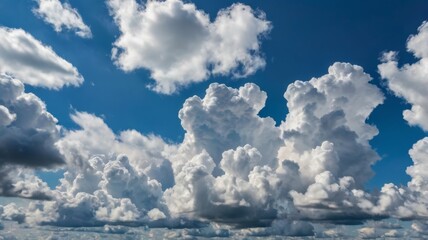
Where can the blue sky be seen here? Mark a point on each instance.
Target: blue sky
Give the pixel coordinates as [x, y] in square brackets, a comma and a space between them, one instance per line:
[306, 38]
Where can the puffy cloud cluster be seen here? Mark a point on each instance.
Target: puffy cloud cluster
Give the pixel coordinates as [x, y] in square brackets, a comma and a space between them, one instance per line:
[233, 166]
[326, 127]
[27, 59]
[62, 15]
[102, 184]
[28, 134]
[225, 119]
[325, 133]
[104, 191]
[146, 153]
[409, 81]
[225, 169]
[179, 44]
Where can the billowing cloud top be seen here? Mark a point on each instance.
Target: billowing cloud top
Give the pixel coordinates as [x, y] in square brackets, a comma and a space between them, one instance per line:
[62, 15]
[33, 63]
[179, 44]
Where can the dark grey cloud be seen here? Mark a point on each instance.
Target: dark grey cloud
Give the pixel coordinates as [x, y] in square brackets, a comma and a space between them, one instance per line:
[28, 134]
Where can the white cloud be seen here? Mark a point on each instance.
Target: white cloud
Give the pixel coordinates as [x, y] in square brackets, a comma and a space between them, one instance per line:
[410, 80]
[62, 15]
[225, 119]
[13, 213]
[34, 63]
[233, 166]
[179, 44]
[146, 153]
[326, 129]
[368, 233]
[101, 184]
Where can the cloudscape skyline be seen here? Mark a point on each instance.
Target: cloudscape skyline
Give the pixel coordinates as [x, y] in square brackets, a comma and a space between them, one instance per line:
[126, 119]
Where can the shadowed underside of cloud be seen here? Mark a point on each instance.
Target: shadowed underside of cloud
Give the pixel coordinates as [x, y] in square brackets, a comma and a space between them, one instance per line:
[179, 44]
[28, 134]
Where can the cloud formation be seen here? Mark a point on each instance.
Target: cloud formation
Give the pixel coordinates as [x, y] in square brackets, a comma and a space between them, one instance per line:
[233, 166]
[27, 59]
[102, 184]
[326, 129]
[179, 44]
[62, 15]
[28, 133]
[409, 81]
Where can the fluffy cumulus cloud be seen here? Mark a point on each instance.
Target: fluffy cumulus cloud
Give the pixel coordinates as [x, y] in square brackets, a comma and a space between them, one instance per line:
[62, 15]
[28, 134]
[110, 178]
[33, 63]
[326, 127]
[409, 81]
[179, 44]
[233, 166]
[325, 133]
[225, 169]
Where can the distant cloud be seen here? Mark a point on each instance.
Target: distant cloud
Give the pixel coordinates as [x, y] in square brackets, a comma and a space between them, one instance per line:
[410, 81]
[27, 59]
[62, 15]
[179, 44]
[368, 233]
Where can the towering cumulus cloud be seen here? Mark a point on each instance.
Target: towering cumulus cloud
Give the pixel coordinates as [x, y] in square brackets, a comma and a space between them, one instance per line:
[27, 59]
[179, 44]
[233, 166]
[28, 134]
[225, 168]
[62, 15]
[325, 129]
